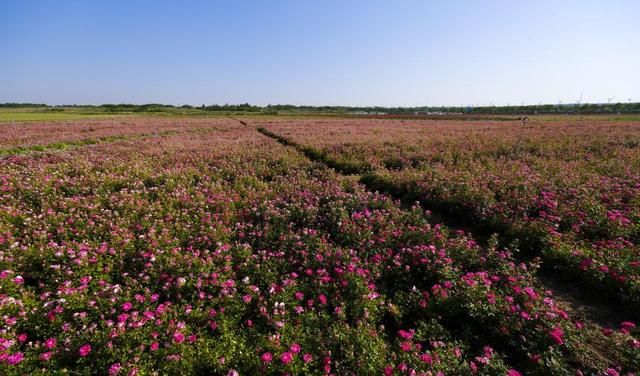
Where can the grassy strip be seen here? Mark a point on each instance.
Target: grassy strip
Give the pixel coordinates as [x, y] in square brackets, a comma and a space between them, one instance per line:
[22, 116]
[62, 145]
[54, 146]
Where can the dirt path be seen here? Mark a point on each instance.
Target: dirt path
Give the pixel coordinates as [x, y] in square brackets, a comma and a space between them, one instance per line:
[587, 305]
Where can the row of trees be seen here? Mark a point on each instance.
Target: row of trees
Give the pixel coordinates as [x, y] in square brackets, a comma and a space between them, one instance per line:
[21, 105]
[587, 108]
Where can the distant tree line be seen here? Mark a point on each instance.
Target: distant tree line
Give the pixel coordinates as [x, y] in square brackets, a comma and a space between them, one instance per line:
[19, 105]
[246, 107]
[586, 108]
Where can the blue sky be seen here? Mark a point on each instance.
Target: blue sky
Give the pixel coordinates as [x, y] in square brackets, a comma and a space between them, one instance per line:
[393, 53]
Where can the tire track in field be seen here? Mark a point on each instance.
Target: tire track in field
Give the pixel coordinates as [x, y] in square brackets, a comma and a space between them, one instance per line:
[595, 310]
[240, 121]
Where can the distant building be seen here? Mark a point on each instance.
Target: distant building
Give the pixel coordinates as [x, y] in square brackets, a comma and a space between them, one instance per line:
[366, 113]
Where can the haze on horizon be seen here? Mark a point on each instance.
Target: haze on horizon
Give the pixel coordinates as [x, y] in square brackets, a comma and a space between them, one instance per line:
[358, 53]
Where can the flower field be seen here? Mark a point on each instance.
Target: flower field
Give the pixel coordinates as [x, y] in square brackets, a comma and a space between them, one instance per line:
[207, 247]
[567, 191]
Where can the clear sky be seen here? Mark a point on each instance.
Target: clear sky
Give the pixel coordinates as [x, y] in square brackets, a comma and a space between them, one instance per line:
[392, 53]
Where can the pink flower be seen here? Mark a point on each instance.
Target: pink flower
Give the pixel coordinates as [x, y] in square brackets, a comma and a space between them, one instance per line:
[405, 334]
[531, 293]
[585, 264]
[50, 343]
[114, 369]
[15, 358]
[426, 358]
[267, 357]
[323, 299]
[85, 350]
[286, 357]
[45, 356]
[22, 337]
[627, 327]
[178, 337]
[154, 346]
[299, 296]
[611, 372]
[295, 348]
[307, 358]
[127, 306]
[513, 372]
[557, 335]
